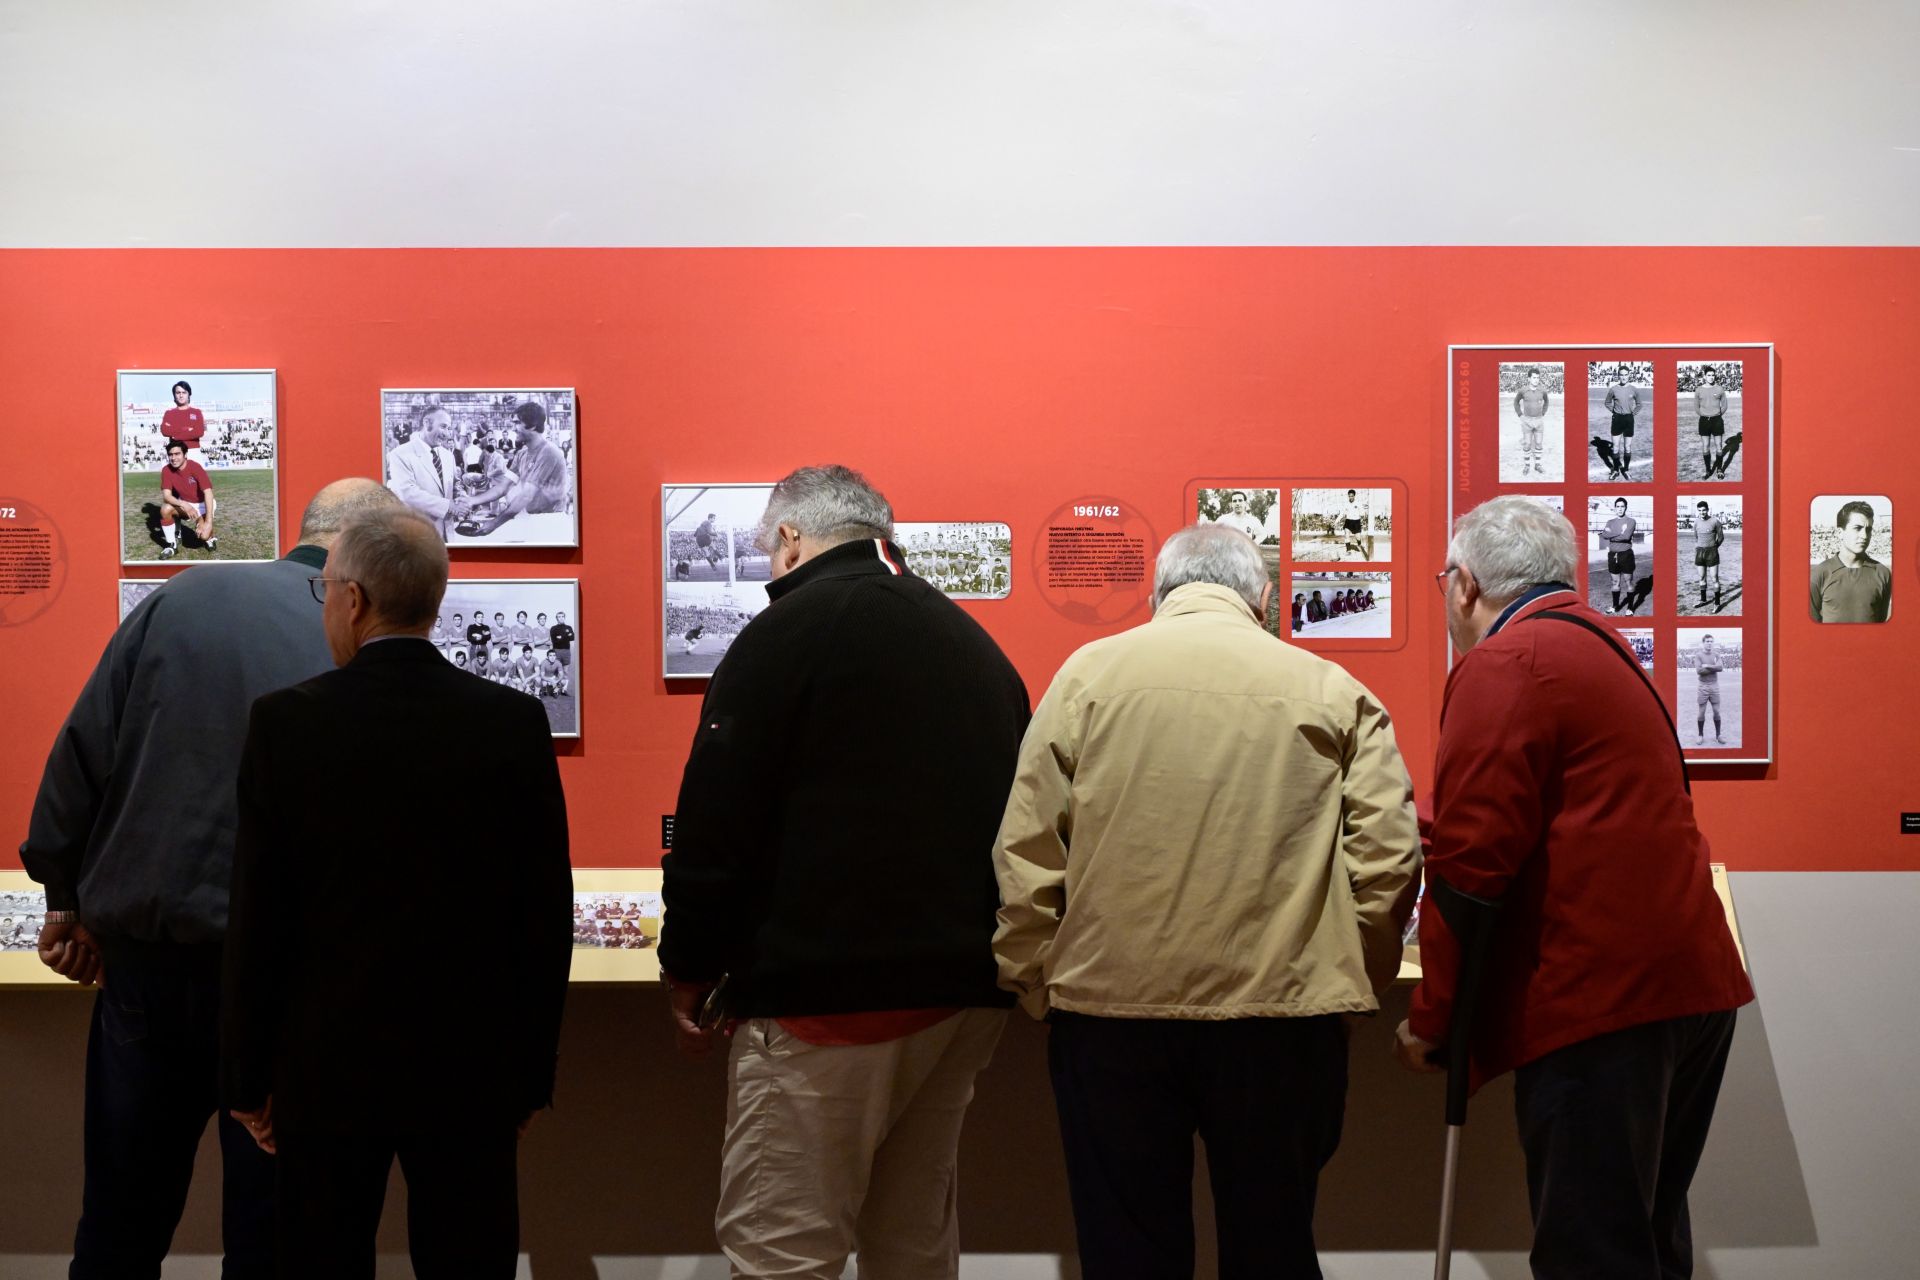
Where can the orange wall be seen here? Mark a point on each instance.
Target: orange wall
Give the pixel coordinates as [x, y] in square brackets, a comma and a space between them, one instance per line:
[978, 384]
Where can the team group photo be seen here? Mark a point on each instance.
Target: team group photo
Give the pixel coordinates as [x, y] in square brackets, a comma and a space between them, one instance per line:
[488, 468]
[964, 560]
[520, 632]
[199, 470]
[1326, 605]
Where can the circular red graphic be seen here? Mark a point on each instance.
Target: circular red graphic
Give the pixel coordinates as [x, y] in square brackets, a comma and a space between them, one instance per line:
[1093, 560]
[33, 562]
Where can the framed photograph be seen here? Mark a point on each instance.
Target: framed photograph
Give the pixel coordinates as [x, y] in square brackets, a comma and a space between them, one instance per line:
[1620, 572]
[621, 920]
[1667, 426]
[1850, 558]
[1533, 414]
[1333, 525]
[1709, 536]
[520, 632]
[493, 467]
[1640, 639]
[23, 913]
[966, 560]
[713, 574]
[1708, 661]
[134, 590]
[1328, 603]
[1711, 420]
[1620, 422]
[199, 465]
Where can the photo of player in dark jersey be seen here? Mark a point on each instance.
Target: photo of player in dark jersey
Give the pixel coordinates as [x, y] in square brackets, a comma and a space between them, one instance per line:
[520, 654]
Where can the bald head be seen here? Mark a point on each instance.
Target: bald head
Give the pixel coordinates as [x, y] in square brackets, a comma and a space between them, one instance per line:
[338, 504]
[399, 561]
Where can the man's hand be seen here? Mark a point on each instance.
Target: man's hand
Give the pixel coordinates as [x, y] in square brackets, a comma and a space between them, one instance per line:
[1413, 1053]
[683, 1003]
[70, 951]
[259, 1125]
[459, 507]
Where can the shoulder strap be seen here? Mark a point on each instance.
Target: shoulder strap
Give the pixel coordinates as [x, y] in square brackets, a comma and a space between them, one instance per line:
[1606, 638]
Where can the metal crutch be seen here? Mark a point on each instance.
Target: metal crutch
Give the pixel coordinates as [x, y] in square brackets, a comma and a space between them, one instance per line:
[1470, 920]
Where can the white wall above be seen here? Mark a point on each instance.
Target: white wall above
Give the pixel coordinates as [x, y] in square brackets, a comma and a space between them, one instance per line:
[205, 123]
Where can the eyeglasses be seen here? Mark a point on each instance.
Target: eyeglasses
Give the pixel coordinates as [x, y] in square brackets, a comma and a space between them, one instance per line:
[318, 586]
[1440, 578]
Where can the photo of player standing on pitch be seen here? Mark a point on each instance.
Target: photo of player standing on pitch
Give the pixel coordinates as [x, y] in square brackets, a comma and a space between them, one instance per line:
[1533, 422]
[1620, 421]
[1706, 711]
[1709, 430]
[1710, 545]
[1620, 554]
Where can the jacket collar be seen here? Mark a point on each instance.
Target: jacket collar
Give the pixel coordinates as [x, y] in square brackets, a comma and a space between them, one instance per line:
[1205, 597]
[1526, 601]
[396, 649]
[309, 555]
[863, 557]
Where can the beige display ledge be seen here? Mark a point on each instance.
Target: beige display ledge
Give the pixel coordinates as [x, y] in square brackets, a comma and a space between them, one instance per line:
[1410, 963]
[590, 964]
[593, 964]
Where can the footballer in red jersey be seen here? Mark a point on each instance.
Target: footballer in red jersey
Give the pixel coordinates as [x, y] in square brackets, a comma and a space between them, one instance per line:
[185, 494]
[183, 422]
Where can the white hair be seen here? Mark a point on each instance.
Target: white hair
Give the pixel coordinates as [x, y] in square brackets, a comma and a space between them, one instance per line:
[1510, 544]
[1210, 553]
[829, 505]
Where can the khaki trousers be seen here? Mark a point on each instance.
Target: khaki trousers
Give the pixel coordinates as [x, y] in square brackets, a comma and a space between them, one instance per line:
[836, 1149]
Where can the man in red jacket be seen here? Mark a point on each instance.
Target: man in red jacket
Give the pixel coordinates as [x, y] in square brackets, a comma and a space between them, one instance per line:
[1559, 789]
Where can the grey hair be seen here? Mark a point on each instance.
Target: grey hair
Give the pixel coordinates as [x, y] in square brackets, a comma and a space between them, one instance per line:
[341, 503]
[1209, 553]
[828, 505]
[1512, 543]
[400, 562]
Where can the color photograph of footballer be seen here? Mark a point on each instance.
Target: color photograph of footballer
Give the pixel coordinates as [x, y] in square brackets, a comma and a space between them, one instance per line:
[1708, 544]
[1533, 419]
[1620, 554]
[1327, 605]
[519, 632]
[1708, 431]
[1333, 525]
[1707, 709]
[1850, 564]
[616, 921]
[199, 474]
[1620, 421]
[1640, 640]
[134, 590]
[492, 467]
[966, 560]
[708, 532]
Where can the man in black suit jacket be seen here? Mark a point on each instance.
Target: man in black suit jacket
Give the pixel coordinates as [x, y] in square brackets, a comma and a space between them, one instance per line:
[341, 1049]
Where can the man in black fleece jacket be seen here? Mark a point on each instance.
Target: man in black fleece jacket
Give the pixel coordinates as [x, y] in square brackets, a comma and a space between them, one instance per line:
[833, 860]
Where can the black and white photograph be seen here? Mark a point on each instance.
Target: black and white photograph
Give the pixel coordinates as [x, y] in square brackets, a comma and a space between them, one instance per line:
[1350, 606]
[1256, 513]
[134, 590]
[1708, 545]
[1533, 416]
[965, 560]
[23, 912]
[1708, 430]
[1557, 501]
[714, 575]
[616, 921]
[711, 532]
[1707, 709]
[1850, 558]
[1620, 569]
[199, 473]
[1640, 640]
[1335, 525]
[1620, 421]
[520, 632]
[492, 467]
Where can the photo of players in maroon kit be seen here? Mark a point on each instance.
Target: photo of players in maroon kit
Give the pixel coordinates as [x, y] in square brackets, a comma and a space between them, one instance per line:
[489, 468]
[1850, 571]
[198, 466]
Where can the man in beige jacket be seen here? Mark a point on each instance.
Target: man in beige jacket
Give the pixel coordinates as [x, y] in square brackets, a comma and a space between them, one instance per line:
[1209, 854]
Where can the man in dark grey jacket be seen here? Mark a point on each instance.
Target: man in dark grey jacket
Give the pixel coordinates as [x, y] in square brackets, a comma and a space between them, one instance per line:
[132, 835]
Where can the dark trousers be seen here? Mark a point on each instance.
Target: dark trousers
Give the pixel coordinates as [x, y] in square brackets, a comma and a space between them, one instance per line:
[153, 1064]
[1266, 1095]
[463, 1202]
[1613, 1128]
